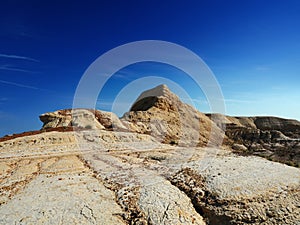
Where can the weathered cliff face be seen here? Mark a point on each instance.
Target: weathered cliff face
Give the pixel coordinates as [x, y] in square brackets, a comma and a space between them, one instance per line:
[290, 128]
[274, 138]
[161, 113]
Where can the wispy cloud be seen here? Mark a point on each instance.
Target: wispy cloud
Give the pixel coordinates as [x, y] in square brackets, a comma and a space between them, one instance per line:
[124, 74]
[19, 85]
[18, 57]
[9, 68]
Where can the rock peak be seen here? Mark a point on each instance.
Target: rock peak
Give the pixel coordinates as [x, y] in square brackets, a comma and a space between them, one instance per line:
[162, 86]
[160, 90]
[158, 96]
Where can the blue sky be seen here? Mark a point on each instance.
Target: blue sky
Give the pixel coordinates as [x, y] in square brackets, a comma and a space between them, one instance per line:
[252, 47]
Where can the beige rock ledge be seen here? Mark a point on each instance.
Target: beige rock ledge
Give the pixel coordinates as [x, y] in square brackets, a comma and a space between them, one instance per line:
[62, 199]
[242, 190]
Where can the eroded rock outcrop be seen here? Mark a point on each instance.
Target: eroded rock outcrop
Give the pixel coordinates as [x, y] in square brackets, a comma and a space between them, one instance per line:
[286, 126]
[81, 118]
[157, 112]
[274, 138]
[161, 113]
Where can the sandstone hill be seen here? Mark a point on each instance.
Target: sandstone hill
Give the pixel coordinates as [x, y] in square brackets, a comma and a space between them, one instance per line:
[158, 164]
[162, 114]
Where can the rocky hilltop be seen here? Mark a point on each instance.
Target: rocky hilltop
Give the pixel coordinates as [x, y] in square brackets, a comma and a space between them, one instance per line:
[157, 112]
[158, 164]
[162, 114]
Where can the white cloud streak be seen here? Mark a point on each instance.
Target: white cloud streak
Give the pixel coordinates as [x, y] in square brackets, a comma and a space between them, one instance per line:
[19, 85]
[18, 57]
[7, 68]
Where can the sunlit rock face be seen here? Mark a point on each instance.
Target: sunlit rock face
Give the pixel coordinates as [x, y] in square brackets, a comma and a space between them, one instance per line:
[157, 112]
[161, 113]
[85, 119]
[81, 118]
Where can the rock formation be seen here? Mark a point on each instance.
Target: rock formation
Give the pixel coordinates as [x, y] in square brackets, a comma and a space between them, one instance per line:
[157, 112]
[81, 118]
[270, 137]
[160, 112]
[150, 167]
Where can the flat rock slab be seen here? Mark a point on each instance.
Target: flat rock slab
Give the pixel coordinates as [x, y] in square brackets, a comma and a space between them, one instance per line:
[242, 190]
[236, 177]
[68, 198]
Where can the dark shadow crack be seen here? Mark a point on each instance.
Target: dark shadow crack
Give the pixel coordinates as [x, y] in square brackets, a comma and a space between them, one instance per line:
[88, 213]
[165, 213]
[192, 184]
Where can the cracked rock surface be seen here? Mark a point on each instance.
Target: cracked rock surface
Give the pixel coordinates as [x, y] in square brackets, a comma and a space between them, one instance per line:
[118, 171]
[63, 191]
[147, 183]
[242, 190]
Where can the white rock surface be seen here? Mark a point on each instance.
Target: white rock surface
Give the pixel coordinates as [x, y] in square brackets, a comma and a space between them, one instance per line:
[62, 199]
[135, 179]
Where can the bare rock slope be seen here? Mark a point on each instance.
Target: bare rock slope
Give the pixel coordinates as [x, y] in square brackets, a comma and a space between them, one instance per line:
[111, 171]
[161, 113]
